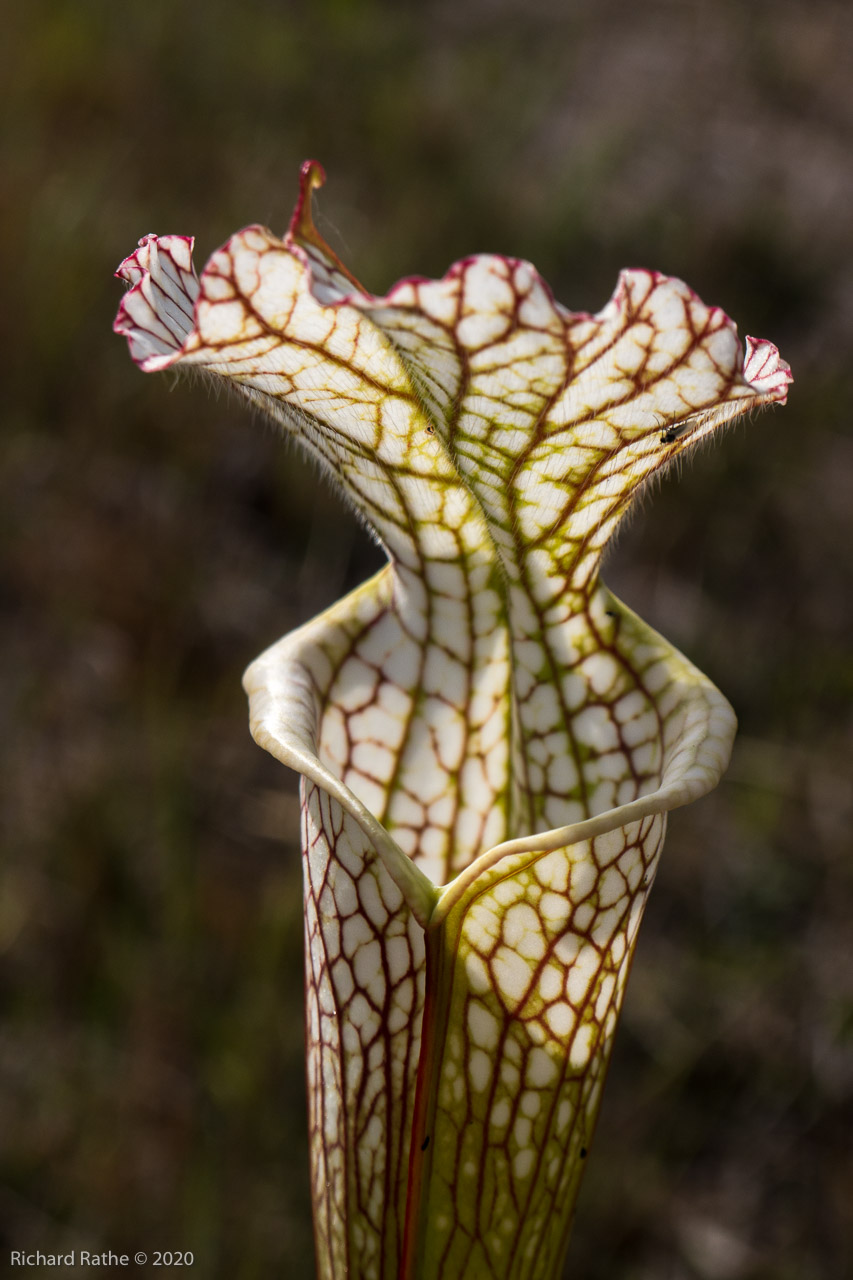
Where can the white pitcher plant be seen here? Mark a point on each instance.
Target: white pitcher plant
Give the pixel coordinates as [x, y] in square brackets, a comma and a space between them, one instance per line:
[489, 741]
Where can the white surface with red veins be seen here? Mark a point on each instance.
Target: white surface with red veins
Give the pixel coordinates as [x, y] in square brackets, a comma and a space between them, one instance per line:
[157, 315]
[482, 715]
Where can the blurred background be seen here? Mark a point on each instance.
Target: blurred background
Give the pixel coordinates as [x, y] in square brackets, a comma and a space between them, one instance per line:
[155, 539]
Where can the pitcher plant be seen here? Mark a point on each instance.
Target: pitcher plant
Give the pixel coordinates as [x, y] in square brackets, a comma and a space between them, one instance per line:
[489, 741]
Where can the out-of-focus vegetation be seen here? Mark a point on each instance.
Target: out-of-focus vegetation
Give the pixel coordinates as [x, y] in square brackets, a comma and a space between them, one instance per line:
[154, 539]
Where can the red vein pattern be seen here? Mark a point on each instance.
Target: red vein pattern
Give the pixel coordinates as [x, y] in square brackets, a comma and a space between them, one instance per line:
[489, 740]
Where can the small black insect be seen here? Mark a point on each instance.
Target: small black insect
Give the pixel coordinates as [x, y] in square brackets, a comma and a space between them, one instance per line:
[425, 1143]
[671, 434]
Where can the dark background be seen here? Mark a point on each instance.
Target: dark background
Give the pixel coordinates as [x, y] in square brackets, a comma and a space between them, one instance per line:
[156, 538]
